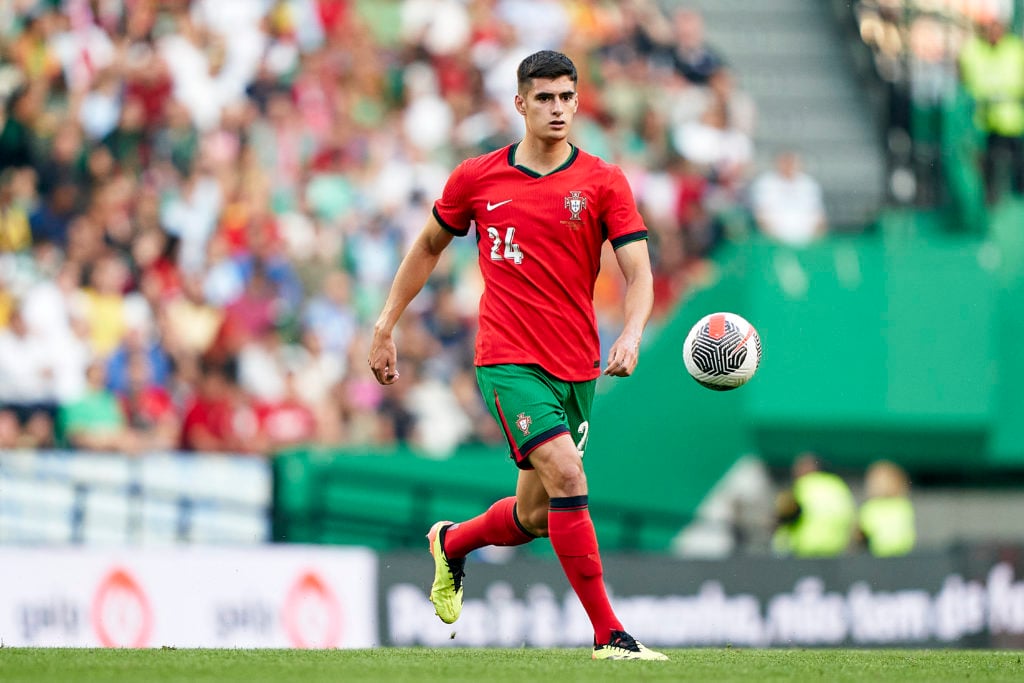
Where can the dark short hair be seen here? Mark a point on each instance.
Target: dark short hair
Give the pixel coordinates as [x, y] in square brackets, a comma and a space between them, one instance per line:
[545, 64]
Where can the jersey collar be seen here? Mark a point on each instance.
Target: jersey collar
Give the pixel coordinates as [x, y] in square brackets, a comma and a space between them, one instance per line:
[533, 174]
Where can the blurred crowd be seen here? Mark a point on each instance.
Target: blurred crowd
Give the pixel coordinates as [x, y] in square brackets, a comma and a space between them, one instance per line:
[203, 202]
[925, 52]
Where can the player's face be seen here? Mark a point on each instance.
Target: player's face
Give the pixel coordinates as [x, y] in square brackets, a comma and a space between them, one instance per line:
[548, 108]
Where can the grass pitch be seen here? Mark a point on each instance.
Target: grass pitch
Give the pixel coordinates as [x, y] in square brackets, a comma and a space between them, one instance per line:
[455, 665]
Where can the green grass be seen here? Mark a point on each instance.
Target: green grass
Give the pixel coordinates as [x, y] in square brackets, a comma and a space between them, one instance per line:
[388, 665]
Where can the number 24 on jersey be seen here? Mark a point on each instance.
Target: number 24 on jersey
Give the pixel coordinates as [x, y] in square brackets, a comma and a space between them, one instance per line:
[504, 249]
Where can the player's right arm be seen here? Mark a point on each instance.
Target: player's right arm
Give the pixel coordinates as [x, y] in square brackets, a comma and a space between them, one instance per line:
[412, 275]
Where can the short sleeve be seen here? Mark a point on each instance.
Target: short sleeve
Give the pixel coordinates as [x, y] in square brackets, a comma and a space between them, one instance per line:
[621, 218]
[453, 210]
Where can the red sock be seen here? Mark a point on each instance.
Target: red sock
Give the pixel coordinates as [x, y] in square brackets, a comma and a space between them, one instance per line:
[575, 543]
[498, 526]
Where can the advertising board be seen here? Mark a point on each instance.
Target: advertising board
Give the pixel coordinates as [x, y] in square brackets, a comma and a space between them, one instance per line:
[269, 596]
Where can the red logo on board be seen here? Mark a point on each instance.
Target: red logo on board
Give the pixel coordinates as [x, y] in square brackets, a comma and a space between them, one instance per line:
[121, 613]
[312, 614]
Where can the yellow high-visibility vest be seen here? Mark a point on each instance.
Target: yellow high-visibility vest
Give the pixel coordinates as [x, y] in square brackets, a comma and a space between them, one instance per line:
[827, 514]
[888, 525]
[994, 76]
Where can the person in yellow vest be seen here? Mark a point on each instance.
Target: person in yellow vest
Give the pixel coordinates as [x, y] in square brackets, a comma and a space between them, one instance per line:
[885, 522]
[816, 517]
[992, 72]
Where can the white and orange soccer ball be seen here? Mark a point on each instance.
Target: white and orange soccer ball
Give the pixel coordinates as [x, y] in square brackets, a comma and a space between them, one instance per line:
[722, 351]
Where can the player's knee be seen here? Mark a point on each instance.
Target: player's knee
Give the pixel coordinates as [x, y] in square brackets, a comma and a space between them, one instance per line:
[560, 468]
[569, 480]
[564, 477]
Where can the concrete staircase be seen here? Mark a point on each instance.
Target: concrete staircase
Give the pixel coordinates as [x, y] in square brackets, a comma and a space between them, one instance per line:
[790, 56]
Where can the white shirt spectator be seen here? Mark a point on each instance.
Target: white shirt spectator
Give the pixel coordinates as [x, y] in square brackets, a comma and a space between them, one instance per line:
[48, 310]
[441, 26]
[316, 375]
[83, 51]
[712, 146]
[71, 358]
[26, 365]
[539, 24]
[441, 423]
[51, 311]
[192, 217]
[788, 204]
[261, 373]
[101, 109]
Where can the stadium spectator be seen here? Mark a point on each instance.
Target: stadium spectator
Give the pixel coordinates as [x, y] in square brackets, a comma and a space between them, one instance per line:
[148, 407]
[719, 140]
[885, 521]
[32, 50]
[248, 316]
[52, 309]
[95, 421]
[286, 420]
[28, 365]
[10, 430]
[15, 232]
[372, 257]
[192, 322]
[18, 140]
[328, 319]
[315, 372]
[692, 57]
[177, 140]
[711, 128]
[139, 341]
[51, 220]
[992, 72]
[219, 418]
[100, 110]
[787, 204]
[190, 214]
[62, 164]
[103, 304]
[816, 517]
[261, 365]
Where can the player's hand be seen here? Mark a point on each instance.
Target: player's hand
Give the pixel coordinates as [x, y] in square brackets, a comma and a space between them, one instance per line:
[623, 356]
[383, 358]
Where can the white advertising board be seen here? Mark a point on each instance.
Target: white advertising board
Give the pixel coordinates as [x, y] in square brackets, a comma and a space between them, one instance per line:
[271, 596]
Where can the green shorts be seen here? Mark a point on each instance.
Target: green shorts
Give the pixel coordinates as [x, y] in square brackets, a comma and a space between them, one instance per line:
[533, 407]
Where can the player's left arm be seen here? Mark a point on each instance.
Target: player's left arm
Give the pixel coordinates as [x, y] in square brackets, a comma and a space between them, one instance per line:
[635, 264]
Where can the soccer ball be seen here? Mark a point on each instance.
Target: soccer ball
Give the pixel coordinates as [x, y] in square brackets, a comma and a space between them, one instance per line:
[722, 351]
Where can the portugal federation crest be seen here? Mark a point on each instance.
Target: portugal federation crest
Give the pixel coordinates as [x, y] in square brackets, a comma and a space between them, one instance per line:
[575, 202]
[523, 421]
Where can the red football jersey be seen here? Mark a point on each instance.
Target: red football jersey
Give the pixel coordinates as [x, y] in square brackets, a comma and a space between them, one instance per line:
[539, 240]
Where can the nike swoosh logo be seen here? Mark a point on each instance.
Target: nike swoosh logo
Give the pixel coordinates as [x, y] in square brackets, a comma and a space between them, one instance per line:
[492, 207]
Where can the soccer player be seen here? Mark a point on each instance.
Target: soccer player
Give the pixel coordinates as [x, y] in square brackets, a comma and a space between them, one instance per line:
[542, 209]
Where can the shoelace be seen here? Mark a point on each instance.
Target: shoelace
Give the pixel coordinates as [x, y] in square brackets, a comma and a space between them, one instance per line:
[458, 570]
[623, 641]
[456, 567]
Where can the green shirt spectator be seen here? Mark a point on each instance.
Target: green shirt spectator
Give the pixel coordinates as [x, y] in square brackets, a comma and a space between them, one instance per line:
[95, 421]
